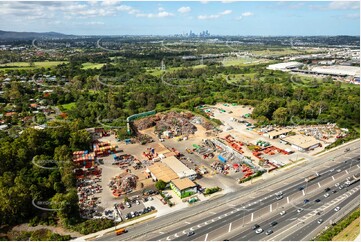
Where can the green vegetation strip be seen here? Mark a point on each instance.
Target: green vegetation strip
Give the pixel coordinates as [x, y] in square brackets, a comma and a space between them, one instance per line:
[339, 227]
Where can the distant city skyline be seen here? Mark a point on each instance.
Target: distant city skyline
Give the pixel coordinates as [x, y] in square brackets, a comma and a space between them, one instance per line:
[111, 17]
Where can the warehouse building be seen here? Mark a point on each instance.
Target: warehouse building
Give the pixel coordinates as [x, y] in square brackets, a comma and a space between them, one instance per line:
[160, 171]
[275, 134]
[183, 187]
[285, 66]
[179, 168]
[302, 142]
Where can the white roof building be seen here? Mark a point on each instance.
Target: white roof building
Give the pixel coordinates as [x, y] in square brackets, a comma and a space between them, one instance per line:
[179, 168]
[285, 66]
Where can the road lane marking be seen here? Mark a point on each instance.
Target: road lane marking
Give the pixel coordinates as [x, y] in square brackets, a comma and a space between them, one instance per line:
[346, 171]
[270, 208]
[333, 178]
[288, 200]
[199, 226]
[212, 212]
[230, 227]
[176, 235]
[187, 222]
[213, 220]
[303, 192]
[358, 166]
[161, 232]
[319, 185]
[252, 217]
[205, 239]
[168, 238]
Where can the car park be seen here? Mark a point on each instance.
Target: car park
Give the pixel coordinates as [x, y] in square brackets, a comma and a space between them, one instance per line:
[268, 232]
[258, 231]
[337, 209]
[282, 213]
[274, 223]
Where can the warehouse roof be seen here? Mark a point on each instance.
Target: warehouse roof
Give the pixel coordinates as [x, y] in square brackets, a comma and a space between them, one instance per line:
[302, 141]
[183, 183]
[285, 65]
[338, 70]
[178, 167]
[162, 172]
[278, 132]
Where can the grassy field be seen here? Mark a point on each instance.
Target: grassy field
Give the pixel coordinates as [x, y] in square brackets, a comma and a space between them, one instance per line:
[25, 65]
[89, 65]
[243, 61]
[350, 233]
[68, 106]
[158, 71]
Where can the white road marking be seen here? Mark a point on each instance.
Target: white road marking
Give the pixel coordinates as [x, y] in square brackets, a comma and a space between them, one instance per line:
[230, 227]
[232, 205]
[176, 235]
[288, 200]
[303, 192]
[161, 232]
[187, 222]
[184, 232]
[219, 217]
[252, 217]
[212, 212]
[270, 208]
[199, 226]
[358, 166]
[168, 238]
[346, 171]
[333, 178]
[319, 185]
[191, 229]
[205, 239]
[213, 220]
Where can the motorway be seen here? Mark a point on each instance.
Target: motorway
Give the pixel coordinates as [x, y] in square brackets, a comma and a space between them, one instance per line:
[223, 217]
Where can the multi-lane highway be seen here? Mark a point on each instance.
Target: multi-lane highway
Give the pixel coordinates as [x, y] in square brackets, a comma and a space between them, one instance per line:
[230, 220]
[223, 218]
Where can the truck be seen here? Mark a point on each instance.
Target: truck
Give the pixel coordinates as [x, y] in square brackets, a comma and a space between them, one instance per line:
[312, 177]
[120, 231]
[352, 181]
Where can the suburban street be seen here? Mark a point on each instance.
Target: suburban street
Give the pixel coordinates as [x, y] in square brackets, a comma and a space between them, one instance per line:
[223, 216]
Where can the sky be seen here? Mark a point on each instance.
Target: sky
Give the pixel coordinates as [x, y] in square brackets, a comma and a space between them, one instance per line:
[111, 17]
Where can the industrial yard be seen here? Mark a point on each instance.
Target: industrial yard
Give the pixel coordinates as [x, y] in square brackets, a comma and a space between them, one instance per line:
[190, 155]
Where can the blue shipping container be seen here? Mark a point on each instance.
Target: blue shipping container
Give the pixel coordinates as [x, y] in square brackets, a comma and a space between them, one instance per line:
[221, 158]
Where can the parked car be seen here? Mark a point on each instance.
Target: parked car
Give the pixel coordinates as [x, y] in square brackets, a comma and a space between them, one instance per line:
[299, 210]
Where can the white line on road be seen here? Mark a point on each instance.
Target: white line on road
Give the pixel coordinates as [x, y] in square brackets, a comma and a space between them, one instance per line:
[270, 208]
[213, 220]
[230, 227]
[288, 200]
[176, 235]
[333, 178]
[212, 212]
[168, 238]
[303, 192]
[346, 171]
[199, 226]
[161, 232]
[205, 239]
[187, 222]
[319, 185]
[252, 217]
[191, 229]
[358, 166]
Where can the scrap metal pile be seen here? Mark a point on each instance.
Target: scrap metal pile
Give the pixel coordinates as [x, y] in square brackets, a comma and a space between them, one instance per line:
[123, 184]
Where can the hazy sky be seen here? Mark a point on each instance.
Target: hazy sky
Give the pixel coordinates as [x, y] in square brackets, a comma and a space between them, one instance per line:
[175, 17]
